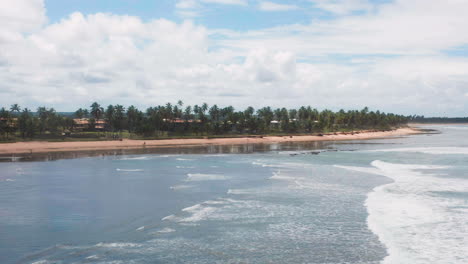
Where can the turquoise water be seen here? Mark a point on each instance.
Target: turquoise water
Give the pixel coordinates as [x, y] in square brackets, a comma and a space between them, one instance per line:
[399, 200]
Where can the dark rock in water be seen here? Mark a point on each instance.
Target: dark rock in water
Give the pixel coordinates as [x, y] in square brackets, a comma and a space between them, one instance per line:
[320, 135]
[314, 152]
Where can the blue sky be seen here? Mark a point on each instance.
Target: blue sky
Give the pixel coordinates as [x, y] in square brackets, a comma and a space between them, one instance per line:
[236, 17]
[402, 56]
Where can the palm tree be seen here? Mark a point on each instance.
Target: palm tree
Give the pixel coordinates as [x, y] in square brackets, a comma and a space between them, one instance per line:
[43, 114]
[80, 113]
[119, 116]
[96, 110]
[15, 108]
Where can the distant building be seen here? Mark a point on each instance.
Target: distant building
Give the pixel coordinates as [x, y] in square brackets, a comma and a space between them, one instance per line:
[84, 123]
[10, 122]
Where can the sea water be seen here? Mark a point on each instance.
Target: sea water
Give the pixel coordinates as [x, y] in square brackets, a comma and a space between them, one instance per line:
[396, 200]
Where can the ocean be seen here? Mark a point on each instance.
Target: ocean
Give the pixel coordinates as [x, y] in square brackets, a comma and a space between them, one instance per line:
[394, 200]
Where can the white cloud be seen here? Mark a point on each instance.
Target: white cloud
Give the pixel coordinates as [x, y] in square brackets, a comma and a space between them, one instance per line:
[186, 4]
[342, 7]
[395, 61]
[22, 15]
[227, 2]
[189, 9]
[270, 6]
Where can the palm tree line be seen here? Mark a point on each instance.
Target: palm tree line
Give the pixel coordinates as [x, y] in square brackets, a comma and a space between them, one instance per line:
[197, 120]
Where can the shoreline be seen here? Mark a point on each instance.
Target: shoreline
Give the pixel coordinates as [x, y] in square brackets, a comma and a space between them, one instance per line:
[40, 147]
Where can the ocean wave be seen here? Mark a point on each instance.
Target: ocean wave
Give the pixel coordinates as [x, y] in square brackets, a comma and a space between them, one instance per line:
[205, 177]
[129, 170]
[196, 213]
[291, 165]
[415, 225]
[118, 245]
[165, 230]
[180, 187]
[278, 176]
[92, 257]
[428, 150]
[135, 158]
[212, 209]
[7, 180]
[241, 191]
[266, 165]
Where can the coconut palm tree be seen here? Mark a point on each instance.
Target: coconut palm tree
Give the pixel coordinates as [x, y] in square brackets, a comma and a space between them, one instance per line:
[15, 108]
[96, 111]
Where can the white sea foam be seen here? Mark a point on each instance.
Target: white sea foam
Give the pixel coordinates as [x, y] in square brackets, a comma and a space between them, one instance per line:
[180, 187]
[266, 165]
[92, 257]
[428, 150]
[213, 209]
[196, 213]
[185, 167]
[42, 262]
[169, 218]
[135, 158]
[279, 176]
[129, 170]
[181, 159]
[166, 230]
[240, 191]
[416, 225]
[118, 245]
[141, 228]
[205, 177]
[9, 180]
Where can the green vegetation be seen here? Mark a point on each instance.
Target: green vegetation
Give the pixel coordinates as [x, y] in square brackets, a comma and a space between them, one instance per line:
[441, 120]
[177, 121]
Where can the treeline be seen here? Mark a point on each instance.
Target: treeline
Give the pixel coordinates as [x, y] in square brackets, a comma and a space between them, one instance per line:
[27, 124]
[179, 120]
[442, 120]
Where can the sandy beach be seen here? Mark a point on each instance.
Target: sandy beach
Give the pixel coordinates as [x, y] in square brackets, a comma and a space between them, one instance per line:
[47, 147]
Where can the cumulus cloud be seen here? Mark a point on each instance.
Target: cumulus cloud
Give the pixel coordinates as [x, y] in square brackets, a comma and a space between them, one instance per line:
[22, 15]
[391, 59]
[342, 7]
[227, 2]
[190, 9]
[270, 6]
[185, 4]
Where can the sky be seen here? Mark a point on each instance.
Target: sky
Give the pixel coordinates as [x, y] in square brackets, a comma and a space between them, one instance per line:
[399, 56]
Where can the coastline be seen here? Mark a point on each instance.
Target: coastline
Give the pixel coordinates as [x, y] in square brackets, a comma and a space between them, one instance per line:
[36, 147]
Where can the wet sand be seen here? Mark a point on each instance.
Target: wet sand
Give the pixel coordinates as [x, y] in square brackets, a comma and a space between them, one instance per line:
[50, 147]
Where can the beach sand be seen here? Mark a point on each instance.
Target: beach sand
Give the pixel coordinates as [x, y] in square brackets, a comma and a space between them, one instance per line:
[48, 147]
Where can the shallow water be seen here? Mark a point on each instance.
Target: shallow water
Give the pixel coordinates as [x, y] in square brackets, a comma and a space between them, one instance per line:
[401, 200]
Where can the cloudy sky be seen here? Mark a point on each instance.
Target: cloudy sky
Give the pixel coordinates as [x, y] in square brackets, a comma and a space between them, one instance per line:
[402, 56]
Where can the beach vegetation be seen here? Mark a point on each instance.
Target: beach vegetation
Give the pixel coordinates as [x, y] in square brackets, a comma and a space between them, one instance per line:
[184, 121]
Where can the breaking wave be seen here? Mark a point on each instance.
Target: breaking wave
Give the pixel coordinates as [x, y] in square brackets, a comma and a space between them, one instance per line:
[416, 225]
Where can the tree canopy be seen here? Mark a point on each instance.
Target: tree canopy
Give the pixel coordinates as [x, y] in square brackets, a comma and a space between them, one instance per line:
[177, 120]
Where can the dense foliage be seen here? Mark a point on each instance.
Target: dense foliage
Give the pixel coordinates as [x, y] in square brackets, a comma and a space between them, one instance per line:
[198, 120]
[443, 120]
